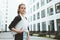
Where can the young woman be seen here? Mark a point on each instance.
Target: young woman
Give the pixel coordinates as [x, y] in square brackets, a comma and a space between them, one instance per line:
[20, 24]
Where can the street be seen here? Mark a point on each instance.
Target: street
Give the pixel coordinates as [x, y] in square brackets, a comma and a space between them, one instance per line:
[8, 36]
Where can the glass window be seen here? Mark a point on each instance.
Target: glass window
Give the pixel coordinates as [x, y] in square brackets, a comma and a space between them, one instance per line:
[48, 1]
[43, 26]
[6, 21]
[38, 15]
[33, 1]
[6, 13]
[34, 17]
[30, 10]
[38, 26]
[42, 2]
[57, 8]
[30, 18]
[34, 8]
[58, 25]
[42, 13]
[5, 27]
[6, 17]
[51, 25]
[6, 9]
[34, 26]
[38, 5]
[31, 27]
[50, 10]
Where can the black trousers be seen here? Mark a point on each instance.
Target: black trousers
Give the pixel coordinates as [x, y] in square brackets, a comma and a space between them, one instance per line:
[19, 36]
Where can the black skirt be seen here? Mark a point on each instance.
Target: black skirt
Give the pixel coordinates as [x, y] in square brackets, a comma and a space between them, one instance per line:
[19, 36]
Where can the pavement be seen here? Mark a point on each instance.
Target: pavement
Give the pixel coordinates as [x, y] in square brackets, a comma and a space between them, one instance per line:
[9, 36]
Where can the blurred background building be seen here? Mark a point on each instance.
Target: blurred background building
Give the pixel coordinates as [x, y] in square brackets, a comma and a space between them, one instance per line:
[8, 10]
[44, 16]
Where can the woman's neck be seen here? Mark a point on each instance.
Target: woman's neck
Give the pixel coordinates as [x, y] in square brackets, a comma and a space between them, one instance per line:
[21, 15]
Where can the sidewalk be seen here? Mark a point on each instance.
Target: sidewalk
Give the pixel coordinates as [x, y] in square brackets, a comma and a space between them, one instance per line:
[40, 38]
[8, 36]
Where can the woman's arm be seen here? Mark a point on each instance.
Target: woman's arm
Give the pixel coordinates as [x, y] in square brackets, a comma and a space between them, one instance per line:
[17, 31]
[14, 23]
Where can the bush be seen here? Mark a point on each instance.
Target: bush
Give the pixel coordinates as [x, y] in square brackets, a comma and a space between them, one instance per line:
[57, 36]
[42, 35]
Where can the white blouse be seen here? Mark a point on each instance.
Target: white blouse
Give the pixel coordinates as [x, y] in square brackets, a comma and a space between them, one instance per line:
[23, 24]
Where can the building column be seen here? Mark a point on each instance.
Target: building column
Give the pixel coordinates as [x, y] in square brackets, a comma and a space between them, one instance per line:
[40, 26]
[47, 25]
[54, 9]
[55, 23]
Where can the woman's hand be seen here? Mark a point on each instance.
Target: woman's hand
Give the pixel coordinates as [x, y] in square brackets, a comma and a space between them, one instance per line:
[17, 31]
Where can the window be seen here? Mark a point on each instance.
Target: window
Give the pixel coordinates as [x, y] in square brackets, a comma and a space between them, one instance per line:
[51, 25]
[6, 17]
[5, 27]
[30, 10]
[6, 9]
[43, 26]
[6, 21]
[58, 25]
[42, 13]
[31, 27]
[34, 17]
[33, 1]
[34, 26]
[38, 26]
[48, 1]
[50, 10]
[38, 15]
[37, 5]
[30, 18]
[34, 8]
[6, 13]
[57, 8]
[42, 2]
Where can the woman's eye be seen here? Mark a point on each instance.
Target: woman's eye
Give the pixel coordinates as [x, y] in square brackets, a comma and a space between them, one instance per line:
[22, 8]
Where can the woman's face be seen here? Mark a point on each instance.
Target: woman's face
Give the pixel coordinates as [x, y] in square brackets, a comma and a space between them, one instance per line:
[22, 9]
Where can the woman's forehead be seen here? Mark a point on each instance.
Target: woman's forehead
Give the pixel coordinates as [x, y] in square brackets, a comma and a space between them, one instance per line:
[22, 6]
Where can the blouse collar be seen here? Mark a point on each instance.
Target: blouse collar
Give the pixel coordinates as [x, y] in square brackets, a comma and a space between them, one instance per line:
[21, 15]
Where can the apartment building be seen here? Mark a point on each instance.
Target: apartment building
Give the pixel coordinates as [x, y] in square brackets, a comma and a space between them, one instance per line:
[44, 15]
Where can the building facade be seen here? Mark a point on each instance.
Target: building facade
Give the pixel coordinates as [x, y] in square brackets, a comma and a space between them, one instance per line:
[44, 15]
[3, 15]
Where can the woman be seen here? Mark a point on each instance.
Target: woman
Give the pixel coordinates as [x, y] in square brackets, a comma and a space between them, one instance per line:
[20, 25]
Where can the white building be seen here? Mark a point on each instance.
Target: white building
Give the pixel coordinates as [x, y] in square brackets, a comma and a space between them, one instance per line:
[44, 15]
[3, 14]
